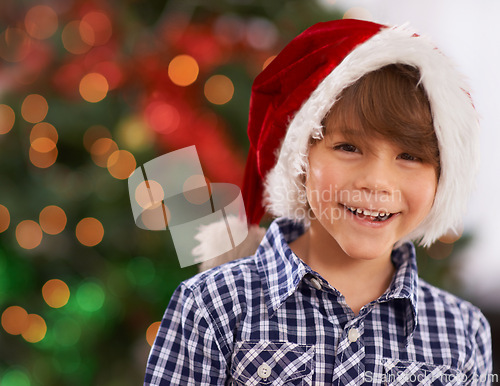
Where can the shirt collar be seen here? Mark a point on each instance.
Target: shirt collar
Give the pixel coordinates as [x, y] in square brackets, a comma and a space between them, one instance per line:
[281, 270]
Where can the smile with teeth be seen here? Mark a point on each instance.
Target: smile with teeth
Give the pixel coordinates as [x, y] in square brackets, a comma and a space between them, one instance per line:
[370, 214]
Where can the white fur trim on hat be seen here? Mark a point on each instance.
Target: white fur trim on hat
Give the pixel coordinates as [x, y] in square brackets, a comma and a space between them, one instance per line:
[208, 251]
[455, 123]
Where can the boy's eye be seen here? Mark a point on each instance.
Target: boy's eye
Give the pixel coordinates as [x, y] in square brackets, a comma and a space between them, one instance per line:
[347, 147]
[408, 157]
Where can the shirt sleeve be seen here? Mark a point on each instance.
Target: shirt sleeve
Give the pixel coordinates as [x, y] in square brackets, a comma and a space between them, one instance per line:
[484, 361]
[185, 351]
[481, 364]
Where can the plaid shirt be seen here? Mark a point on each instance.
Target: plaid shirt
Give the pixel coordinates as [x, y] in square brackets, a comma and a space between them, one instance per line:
[269, 319]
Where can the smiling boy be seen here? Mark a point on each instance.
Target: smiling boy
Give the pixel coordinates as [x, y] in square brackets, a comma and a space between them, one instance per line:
[362, 138]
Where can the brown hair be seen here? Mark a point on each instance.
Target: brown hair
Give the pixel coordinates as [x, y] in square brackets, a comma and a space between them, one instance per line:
[389, 103]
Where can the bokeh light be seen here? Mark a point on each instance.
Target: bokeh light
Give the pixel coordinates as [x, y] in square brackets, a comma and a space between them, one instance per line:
[156, 217]
[94, 87]
[121, 164]
[67, 331]
[41, 22]
[149, 193]
[15, 320]
[43, 130]
[262, 34]
[15, 377]
[151, 332]
[439, 250]
[72, 39]
[28, 234]
[359, 13]
[93, 133]
[96, 28]
[163, 117]
[196, 189]
[134, 134]
[268, 61]
[15, 44]
[90, 296]
[89, 231]
[34, 108]
[219, 89]
[52, 220]
[183, 70]
[7, 119]
[36, 330]
[4, 218]
[101, 150]
[43, 145]
[56, 293]
[43, 160]
[452, 236]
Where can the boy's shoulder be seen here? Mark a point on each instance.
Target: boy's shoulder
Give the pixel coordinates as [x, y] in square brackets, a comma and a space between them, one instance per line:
[229, 276]
[439, 304]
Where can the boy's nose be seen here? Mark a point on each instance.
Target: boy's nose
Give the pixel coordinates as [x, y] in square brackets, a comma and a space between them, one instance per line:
[376, 175]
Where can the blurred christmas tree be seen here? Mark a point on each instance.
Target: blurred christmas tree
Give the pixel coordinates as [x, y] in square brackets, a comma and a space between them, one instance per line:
[90, 90]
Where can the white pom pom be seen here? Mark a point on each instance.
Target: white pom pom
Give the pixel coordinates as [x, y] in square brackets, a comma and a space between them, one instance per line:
[209, 237]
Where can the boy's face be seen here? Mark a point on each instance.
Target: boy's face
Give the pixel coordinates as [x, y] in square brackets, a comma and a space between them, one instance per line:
[380, 179]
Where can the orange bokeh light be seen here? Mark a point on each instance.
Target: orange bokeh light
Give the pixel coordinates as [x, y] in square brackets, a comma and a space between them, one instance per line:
[72, 40]
[43, 130]
[268, 61]
[96, 28]
[4, 218]
[196, 189]
[15, 320]
[36, 330]
[89, 231]
[43, 145]
[121, 164]
[55, 293]
[219, 89]
[94, 133]
[151, 332]
[94, 87]
[43, 160]
[52, 220]
[149, 193]
[156, 217]
[34, 108]
[183, 70]
[7, 119]
[101, 150]
[29, 234]
[41, 22]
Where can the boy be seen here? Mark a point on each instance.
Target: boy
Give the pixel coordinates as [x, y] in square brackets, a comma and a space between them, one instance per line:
[362, 138]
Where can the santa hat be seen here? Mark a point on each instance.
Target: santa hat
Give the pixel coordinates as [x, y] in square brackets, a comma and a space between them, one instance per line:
[293, 94]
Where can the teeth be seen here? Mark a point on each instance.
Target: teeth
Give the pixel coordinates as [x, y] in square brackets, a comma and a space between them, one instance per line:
[367, 212]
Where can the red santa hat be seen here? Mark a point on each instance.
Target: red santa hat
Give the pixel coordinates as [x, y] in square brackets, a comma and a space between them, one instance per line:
[293, 94]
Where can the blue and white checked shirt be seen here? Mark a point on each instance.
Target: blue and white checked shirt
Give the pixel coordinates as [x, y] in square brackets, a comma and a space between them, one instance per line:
[268, 319]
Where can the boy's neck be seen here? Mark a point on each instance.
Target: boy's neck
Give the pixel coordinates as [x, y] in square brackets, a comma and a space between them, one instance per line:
[359, 281]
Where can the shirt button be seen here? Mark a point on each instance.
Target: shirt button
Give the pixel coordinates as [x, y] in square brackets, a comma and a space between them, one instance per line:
[264, 371]
[353, 335]
[315, 283]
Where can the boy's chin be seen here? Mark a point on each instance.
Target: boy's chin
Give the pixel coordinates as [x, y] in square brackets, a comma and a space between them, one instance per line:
[366, 250]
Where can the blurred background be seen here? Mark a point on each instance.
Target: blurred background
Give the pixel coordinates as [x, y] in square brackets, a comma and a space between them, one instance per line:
[92, 89]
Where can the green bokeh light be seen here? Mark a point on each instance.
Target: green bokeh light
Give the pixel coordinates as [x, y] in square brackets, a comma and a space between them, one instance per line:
[67, 331]
[15, 378]
[90, 296]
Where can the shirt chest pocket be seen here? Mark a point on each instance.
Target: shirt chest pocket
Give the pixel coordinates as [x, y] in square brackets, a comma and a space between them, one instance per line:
[417, 373]
[272, 363]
